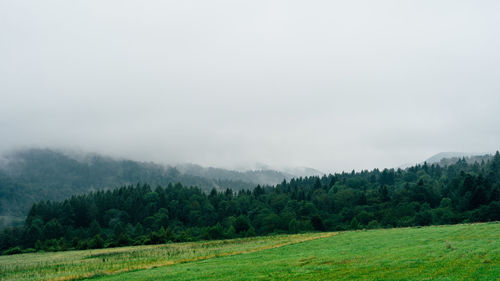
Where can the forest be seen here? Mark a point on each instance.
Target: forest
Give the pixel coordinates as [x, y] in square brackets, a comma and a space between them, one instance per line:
[28, 176]
[143, 214]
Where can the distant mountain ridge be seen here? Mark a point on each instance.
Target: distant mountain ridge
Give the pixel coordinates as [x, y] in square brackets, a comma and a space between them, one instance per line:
[31, 175]
[262, 177]
[448, 158]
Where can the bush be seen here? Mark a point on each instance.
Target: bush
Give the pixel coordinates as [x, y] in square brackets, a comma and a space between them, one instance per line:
[373, 224]
[97, 242]
[13, 251]
[29, 250]
[317, 223]
[123, 240]
[82, 245]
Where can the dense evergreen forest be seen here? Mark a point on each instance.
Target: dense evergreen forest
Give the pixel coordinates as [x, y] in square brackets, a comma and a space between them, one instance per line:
[143, 214]
[28, 176]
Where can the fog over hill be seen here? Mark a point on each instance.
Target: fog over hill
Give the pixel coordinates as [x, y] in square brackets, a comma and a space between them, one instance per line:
[31, 175]
[264, 175]
[448, 158]
[443, 155]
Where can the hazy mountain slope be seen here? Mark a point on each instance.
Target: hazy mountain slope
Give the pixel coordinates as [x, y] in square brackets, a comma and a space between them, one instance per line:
[40, 174]
[442, 155]
[303, 171]
[256, 176]
[28, 176]
[448, 158]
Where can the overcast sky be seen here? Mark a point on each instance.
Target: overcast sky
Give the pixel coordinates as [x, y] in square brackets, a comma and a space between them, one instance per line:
[334, 85]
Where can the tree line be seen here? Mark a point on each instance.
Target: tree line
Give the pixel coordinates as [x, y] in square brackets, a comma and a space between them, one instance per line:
[142, 214]
[43, 174]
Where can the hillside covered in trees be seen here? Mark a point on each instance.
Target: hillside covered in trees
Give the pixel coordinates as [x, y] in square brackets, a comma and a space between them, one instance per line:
[446, 158]
[144, 214]
[28, 176]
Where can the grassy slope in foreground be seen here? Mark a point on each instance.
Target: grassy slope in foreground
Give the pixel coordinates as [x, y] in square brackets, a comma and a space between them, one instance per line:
[78, 264]
[455, 252]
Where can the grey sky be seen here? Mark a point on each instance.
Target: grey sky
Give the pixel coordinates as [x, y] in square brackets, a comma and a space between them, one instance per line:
[333, 85]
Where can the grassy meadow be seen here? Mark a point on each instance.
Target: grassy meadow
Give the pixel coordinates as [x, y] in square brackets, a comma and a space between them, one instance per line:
[74, 265]
[458, 252]
[452, 252]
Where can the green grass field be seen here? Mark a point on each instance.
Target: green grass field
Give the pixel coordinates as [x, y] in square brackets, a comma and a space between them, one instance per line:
[458, 252]
[73, 265]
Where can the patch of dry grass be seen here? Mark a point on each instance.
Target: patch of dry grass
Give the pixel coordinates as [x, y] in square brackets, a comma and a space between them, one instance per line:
[73, 265]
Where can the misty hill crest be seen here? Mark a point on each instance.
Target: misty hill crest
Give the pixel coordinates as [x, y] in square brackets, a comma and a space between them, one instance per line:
[448, 158]
[263, 176]
[28, 176]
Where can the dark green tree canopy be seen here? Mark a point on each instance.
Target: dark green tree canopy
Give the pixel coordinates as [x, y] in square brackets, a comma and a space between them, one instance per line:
[419, 195]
